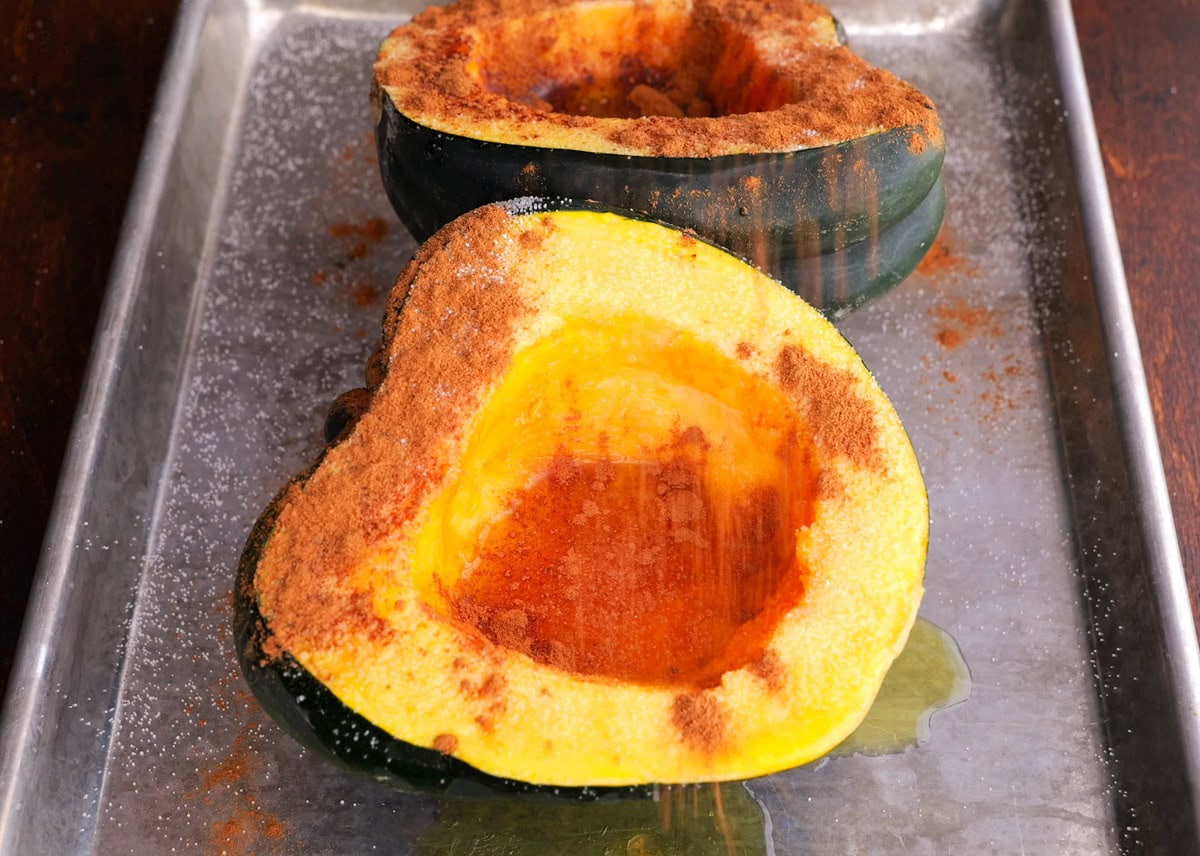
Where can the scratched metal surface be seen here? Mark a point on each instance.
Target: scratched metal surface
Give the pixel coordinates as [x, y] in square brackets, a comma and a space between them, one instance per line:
[254, 279]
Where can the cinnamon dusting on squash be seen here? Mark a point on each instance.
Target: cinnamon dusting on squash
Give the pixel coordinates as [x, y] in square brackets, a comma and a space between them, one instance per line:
[770, 669]
[830, 484]
[324, 526]
[700, 720]
[842, 423]
[695, 79]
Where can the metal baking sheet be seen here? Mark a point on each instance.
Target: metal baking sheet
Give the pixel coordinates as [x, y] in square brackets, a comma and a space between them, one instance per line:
[247, 294]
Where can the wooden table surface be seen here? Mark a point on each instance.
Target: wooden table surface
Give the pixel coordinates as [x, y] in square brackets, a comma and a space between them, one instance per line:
[77, 81]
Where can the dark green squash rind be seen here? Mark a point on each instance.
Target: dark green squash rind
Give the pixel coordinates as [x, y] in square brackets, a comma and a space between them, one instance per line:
[838, 283]
[803, 204]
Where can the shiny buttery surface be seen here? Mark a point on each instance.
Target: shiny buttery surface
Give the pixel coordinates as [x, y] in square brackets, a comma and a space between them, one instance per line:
[967, 527]
[660, 499]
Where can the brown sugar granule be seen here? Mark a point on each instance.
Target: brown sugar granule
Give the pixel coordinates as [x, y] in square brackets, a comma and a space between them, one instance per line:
[948, 337]
[454, 335]
[531, 239]
[445, 743]
[841, 422]
[700, 720]
[651, 102]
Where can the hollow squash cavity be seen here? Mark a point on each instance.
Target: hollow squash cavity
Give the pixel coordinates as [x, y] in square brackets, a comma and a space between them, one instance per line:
[626, 61]
[719, 77]
[636, 523]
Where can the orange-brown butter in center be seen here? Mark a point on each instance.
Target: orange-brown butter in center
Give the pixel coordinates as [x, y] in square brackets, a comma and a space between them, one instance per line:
[643, 571]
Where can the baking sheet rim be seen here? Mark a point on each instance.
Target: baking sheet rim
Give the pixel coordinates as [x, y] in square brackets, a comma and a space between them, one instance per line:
[29, 688]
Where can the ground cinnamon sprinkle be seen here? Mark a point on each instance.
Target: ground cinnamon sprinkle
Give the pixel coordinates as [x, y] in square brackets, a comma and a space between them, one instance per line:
[917, 144]
[700, 720]
[370, 233]
[829, 484]
[841, 422]
[949, 337]
[960, 321]
[940, 260]
[366, 235]
[364, 295]
[372, 230]
[707, 78]
[244, 832]
[453, 336]
[1002, 396]
[246, 828]
[651, 102]
[769, 668]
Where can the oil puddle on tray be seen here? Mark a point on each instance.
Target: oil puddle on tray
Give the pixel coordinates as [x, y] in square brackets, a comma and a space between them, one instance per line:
[698, 820]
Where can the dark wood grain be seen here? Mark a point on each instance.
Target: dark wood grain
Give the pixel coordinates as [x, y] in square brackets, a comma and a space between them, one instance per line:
[77, 79]
[1143, 67]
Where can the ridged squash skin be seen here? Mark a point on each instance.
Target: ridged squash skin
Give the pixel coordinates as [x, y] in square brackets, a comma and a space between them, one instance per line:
[864, 197]
[588, 372]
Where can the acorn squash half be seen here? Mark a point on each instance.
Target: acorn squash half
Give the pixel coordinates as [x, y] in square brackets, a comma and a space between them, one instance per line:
[616, 508]
[749, 122]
